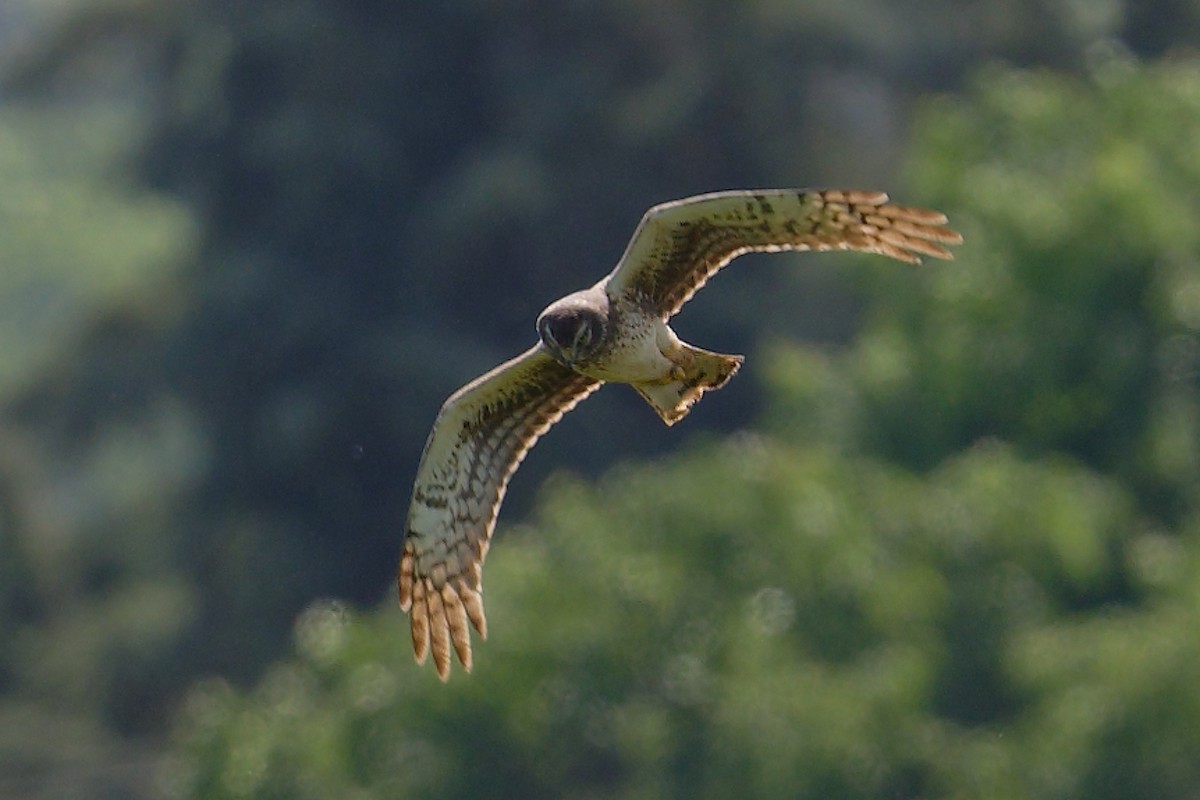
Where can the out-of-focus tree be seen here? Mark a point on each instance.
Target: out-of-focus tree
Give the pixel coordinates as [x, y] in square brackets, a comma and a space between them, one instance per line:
[748, 618]
[211, 416]
[1076, 329]
[961, 558]
[91, 607]
[375, 183]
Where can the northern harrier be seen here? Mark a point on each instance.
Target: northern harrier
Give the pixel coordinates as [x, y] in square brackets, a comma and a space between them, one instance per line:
[614, 332]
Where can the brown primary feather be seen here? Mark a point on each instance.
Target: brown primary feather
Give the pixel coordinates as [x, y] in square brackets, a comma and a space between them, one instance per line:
[478, 440]
[678, 246]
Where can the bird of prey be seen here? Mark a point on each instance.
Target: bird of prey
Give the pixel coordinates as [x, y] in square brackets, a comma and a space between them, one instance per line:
[614, 332]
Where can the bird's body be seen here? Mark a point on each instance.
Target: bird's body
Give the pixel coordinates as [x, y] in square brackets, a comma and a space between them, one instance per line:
[617, 331]
[635, 345]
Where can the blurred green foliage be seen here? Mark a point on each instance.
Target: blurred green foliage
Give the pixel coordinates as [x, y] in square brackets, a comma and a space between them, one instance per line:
[59, 209]
[86, 620]
[959, 559]
[956, 556]
[1074, 329]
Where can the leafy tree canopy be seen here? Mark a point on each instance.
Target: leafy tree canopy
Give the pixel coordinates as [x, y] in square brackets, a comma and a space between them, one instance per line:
[958, 558]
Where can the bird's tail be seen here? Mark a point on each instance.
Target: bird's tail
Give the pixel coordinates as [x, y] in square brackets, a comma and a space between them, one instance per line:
[697, 372]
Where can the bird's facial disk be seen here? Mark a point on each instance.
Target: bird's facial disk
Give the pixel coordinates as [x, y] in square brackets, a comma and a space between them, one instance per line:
[571, 334]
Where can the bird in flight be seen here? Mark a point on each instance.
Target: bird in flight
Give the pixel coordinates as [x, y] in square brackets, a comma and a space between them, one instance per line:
[614, 332]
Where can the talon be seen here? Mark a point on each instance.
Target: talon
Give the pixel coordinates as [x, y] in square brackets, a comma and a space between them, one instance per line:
[677, 373]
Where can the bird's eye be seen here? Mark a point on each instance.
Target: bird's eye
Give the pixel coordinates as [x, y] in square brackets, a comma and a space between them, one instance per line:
[558, 332]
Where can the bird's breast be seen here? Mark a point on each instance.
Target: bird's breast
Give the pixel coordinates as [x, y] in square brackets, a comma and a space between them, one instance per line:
[633, 352]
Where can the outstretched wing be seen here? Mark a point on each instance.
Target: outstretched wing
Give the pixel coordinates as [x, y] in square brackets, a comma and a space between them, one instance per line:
[480, 436]
[680, 245]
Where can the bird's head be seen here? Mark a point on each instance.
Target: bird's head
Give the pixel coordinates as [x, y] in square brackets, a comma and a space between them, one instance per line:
[572, 331]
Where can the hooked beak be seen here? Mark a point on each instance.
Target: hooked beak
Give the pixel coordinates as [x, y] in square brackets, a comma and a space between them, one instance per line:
[564, 355]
